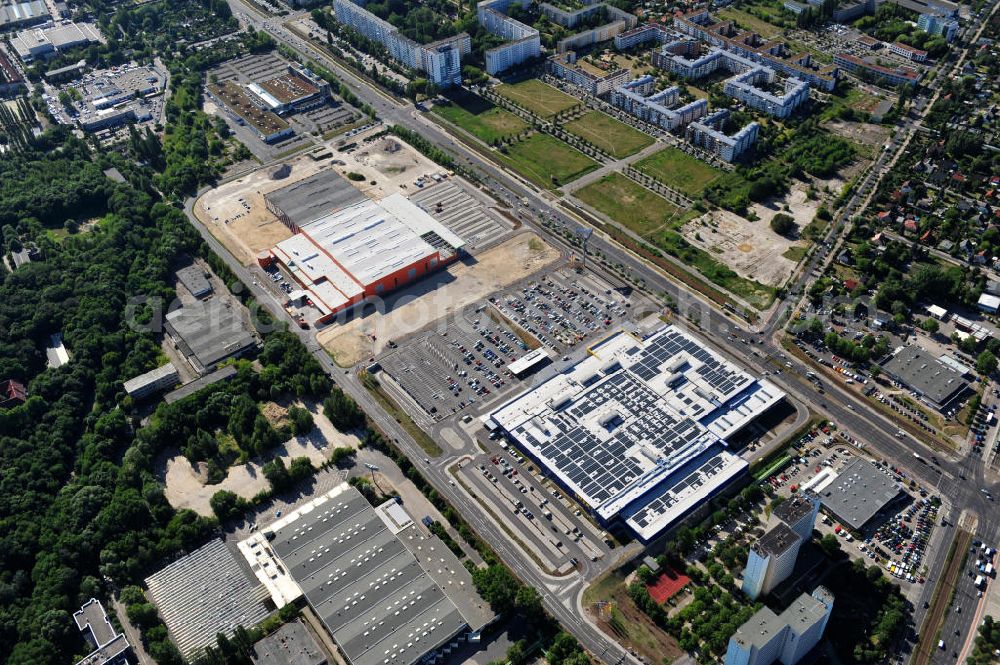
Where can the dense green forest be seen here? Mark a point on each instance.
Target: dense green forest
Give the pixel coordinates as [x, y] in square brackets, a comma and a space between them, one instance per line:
[79, 504]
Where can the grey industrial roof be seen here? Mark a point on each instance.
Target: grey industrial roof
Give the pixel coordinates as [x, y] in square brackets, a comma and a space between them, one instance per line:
[370, 591]
[859, 492]
[193, 279]
[924, 373]
[209, 331]
[191, 388]
[289, 645]
[777, 541]
[315, 196]
[17, 12]
[109, 645]
[205, 593]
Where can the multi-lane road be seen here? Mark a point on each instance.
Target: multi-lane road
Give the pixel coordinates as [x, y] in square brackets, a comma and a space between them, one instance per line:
[958, 480]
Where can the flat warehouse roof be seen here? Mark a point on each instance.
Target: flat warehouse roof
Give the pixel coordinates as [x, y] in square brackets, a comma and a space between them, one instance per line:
[859, 492]
[205, 593]
[210, 331]
[380, 594]
[625, 429]
[922, 372]
[288, 88]
[315, 196]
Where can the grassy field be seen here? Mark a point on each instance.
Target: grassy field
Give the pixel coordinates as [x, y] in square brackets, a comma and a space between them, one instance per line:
[541, 157]
[613, 137]
[750, 22]
[480, 117]
[630, 204]
[678, 170]
[539, 98]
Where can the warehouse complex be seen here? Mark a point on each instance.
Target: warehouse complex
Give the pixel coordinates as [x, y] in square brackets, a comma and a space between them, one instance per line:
[387, 593]
[364, 250]
[209, 332]
[636, 430]
[48, 41]
[204, 593]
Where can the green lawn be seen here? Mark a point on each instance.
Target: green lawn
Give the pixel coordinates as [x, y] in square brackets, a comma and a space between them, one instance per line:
[541, 157]
[480, 117]
[628, 203]
[613, 137]
[539, 98]
[678, 170]
[750, 22]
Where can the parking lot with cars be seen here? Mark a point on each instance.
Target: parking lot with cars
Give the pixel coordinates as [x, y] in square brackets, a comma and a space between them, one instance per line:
[900, 542]
[563, 309]
[445, 371]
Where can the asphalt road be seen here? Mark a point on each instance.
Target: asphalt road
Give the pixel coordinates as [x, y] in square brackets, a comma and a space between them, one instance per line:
[957, 479]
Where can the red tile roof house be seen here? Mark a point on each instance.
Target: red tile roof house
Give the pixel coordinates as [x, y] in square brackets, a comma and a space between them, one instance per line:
[910, 226]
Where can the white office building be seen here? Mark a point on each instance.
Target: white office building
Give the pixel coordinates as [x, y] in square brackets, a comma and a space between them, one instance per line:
[767, 637]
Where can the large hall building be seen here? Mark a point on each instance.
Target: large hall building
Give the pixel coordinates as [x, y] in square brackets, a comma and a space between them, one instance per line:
[364, 250]
[636, 431]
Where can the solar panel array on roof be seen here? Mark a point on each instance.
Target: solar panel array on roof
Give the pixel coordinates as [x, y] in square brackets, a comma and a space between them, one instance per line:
[626, 429]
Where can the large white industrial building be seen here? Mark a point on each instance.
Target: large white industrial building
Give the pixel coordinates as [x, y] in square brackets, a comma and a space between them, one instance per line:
[636, 430]
[363, 250]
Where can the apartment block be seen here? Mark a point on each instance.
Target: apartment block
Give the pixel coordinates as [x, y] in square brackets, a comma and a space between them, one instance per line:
[440, 60]
[767, 637]
[651, 32]
[564, 66]
[746, 88]
[524, 42]
[935, 24]
[707, 134]
[700, 24]
[908, 52]
[891, 76]
[658, 109]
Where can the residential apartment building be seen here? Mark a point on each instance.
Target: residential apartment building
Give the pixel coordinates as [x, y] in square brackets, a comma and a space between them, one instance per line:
[893, 77]
[564, 66]
[935, 24]
[619, 21]
[524, 42]
[700, 24]
[767, 637]
[908, 52]
[772, 558]
[441, 60]
[770, 561]
[746, 88]
[651, 32]
[658, 109]
[707, 134]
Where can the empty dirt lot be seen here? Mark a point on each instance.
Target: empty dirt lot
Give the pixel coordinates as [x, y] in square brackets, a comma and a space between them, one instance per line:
[185, 483]
[752, 249]
[436, 296]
